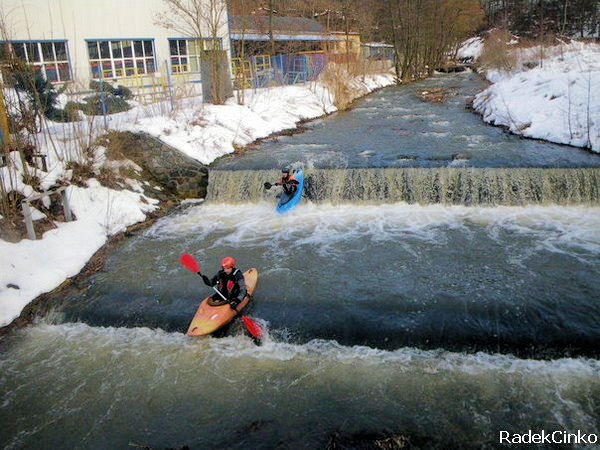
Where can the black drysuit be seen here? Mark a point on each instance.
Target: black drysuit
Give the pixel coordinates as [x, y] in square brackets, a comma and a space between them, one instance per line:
[232, 286]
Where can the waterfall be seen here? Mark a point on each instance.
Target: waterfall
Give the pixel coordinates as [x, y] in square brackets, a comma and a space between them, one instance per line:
[450, 186]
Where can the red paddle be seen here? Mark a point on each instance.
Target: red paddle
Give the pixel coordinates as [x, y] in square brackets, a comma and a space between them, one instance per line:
[189, 263]
[255, 331]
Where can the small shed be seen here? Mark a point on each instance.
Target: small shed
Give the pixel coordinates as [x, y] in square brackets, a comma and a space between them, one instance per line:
[377, 51]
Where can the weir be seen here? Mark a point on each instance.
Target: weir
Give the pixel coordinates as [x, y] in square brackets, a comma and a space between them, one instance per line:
[449, 186]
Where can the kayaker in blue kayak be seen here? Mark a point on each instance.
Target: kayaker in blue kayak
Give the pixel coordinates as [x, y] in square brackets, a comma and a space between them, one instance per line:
[287, 181]
[230, 283]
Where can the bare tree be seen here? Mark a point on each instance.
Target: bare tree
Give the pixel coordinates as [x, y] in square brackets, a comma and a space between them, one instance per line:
[206, 22]
[424, 31]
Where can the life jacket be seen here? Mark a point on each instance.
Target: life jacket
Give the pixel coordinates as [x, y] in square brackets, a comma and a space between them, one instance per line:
[283, 181]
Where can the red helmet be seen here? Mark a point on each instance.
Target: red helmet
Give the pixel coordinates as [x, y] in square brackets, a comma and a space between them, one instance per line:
[228, 262]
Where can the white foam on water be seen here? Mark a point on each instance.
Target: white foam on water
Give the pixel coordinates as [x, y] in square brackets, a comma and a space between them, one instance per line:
[415, 116]
[554, 228]
[329, 158]
[397, 108]
[435, 134]
[473, 140]
[458, 162]
[304, 145]
[367, 153]
[82, 340]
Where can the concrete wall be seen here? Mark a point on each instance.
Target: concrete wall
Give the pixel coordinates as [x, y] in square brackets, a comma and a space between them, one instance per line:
[78, 20]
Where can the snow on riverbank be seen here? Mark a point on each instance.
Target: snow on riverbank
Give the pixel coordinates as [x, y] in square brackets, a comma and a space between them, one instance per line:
[211, 131]
[554, 95]
[30, 268]
[204, 132]
[470, 50]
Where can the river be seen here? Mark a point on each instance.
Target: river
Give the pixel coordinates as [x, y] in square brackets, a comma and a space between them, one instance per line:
[439, 282]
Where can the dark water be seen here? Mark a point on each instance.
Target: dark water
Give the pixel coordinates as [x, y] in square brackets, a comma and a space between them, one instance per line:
[394, 128]
[443, 323]
[518, 280]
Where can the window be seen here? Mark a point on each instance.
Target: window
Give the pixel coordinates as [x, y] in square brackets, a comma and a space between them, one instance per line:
[186, 53]
[121, 58]
[49, 57]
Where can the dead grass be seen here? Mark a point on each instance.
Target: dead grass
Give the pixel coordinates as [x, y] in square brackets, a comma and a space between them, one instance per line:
[238, 149]
[501, 52]
[13, 229]
[497, 52]
[129, 171]
[114, 143]
[108, 178]
[336, 79]
[81, 172]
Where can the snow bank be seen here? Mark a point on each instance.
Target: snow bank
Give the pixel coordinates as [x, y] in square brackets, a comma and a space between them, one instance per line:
[30, 268]
[555, 98]
[207, 132]
[470, 50]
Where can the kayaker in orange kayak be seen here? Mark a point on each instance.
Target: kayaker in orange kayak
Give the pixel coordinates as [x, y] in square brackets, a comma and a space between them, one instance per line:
[289, 183]
[230, 283]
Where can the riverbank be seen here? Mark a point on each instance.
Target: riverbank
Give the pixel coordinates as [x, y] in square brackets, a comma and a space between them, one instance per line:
[561, 85]
[38, 307]
[208, 132]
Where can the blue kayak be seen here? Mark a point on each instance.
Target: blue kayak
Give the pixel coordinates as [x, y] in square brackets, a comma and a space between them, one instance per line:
[287, 202]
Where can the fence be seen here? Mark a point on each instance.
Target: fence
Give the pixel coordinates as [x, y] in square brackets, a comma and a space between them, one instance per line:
[254, 72]
[261, 70]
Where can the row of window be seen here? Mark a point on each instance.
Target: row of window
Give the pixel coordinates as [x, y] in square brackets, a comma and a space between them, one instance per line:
[115, 58]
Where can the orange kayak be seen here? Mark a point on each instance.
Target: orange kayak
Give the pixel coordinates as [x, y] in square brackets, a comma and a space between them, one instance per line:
[210, 318]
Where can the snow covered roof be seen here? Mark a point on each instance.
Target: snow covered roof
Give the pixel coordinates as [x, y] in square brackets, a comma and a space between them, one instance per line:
[283, 37]
[377, 45]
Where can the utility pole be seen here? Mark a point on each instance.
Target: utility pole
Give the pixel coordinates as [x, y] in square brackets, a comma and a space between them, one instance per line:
[271, 27]
[345, 11]
[4, 133]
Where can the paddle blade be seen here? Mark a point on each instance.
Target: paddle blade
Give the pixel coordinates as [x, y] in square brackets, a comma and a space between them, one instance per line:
[252, 328]
[189, 263]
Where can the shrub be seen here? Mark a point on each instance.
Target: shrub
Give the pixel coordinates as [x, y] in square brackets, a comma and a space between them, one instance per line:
[123, 92]
[119, 91]
[81, 172]
[40, 92]
[63, 115]
[106, 87]
[72, 108]
[93, 105]
[337, 80]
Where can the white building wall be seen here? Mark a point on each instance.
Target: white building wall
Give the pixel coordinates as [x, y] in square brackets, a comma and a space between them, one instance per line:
[78, 20]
